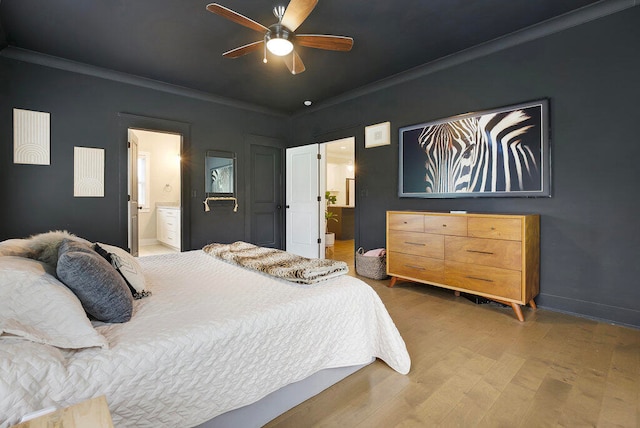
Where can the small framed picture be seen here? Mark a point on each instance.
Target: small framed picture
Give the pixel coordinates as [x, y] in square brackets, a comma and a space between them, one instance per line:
[377, 135]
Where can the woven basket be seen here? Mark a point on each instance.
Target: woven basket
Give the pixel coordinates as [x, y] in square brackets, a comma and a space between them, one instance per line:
[371, 267]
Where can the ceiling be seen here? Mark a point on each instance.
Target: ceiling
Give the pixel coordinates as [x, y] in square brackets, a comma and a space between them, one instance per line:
[341, 151]
[181, 43]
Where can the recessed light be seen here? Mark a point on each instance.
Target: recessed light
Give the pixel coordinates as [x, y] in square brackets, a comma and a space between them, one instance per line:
[307, 103]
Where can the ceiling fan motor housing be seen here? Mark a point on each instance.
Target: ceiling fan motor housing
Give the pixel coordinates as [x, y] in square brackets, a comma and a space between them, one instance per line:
[278, 31]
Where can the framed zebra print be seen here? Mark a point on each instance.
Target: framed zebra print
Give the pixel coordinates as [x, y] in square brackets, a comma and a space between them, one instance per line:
[502, 152]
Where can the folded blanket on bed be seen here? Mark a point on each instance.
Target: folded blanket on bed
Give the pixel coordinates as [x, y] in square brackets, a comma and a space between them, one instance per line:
[277, 263]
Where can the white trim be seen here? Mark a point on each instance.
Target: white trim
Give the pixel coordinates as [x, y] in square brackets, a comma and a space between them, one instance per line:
[146, 207]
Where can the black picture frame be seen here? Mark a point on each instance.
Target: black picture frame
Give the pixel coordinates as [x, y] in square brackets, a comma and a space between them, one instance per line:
[464, 155]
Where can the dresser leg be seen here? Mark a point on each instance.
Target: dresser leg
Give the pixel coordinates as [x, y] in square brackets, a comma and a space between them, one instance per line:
[393, 281]
[532, 304]
[518, 310]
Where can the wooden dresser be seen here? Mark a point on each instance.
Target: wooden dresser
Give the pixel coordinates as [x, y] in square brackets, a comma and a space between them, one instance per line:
[491, 255]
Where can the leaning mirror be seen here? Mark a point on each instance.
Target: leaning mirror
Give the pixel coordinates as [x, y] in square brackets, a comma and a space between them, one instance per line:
[220, 173]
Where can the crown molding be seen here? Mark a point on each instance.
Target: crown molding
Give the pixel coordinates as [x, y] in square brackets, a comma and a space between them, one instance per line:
[569, 20]
[38, 58]
[554, 25]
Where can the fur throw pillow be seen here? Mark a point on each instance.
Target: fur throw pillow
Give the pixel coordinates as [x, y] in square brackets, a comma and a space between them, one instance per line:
[44, 246]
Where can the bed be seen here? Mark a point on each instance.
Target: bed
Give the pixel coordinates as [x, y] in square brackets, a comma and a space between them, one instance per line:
[213, 343]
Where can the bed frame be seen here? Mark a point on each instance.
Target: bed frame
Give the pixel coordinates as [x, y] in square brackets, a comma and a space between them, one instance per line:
[282, 400]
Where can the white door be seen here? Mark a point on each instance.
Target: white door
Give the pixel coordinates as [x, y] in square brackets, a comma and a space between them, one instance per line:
[133, 194]
[304, 186]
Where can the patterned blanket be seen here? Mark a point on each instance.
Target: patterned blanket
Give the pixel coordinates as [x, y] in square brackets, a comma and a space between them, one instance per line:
[277, 263]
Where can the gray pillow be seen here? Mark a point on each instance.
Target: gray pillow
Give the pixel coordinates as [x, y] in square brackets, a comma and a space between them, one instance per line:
[99, 287]
[73, 245]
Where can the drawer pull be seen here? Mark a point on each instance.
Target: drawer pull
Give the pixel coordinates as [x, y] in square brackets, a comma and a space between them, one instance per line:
[415, 243]
[480, 252]
[480, 279]
[444, 225]
[415, 267]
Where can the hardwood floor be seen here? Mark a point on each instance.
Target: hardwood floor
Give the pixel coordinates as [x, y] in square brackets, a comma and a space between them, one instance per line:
[477, 365]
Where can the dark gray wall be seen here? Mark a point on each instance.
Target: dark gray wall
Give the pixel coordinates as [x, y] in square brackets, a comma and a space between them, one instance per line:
[590, 233]
[590, 239]
[84, 112]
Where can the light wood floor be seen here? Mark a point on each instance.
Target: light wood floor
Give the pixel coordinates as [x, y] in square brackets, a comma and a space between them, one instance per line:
[477, 365]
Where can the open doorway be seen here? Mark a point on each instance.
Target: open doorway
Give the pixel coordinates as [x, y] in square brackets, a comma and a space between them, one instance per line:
[340, 188]
[155, 189]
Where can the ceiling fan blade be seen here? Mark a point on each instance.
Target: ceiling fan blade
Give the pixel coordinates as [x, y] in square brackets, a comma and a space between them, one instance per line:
[294, 63]
[297, 12]
[236, 17]
[319, 41]
[243, 50]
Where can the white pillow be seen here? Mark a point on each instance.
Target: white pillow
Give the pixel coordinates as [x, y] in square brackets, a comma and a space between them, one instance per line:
[16, 247]
[34, 305]
[128, 267]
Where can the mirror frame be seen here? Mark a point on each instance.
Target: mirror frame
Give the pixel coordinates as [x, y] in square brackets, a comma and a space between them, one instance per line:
[210, 154]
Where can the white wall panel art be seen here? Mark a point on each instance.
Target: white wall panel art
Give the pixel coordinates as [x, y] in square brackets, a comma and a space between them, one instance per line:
[31, 137]
[88, 172]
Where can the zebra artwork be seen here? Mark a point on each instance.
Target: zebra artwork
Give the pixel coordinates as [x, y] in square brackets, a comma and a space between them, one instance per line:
[498, 153]
[222, 179]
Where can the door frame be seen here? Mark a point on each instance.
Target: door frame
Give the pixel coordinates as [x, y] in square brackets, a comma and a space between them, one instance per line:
[355, 131]
[325, 165]
[133, 212]
[126, 121]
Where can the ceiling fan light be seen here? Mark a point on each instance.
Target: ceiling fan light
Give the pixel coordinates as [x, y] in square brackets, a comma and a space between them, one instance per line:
[279, 47]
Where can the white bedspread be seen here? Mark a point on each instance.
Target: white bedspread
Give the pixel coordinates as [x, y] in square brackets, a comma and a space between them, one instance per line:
[212, 338]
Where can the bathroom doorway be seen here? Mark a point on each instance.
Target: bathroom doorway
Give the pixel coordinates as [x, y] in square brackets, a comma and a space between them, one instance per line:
[155, 183]
[341, 187]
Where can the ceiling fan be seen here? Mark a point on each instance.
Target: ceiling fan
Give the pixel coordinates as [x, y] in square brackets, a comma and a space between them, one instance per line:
[279, 38]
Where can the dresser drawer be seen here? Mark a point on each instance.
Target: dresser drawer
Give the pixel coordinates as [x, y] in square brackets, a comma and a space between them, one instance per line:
[445, 225]
[420, 244]
[486, 252]
[168, 226]
[503, 283]
[420, 268]
[172, 239]
[495, 228]
[171, 224]
[410, 222]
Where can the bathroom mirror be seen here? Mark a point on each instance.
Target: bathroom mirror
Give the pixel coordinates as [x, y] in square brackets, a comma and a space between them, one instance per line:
[220, 173]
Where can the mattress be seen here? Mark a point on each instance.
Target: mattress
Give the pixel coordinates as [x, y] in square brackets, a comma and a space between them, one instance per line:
[213, 337]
